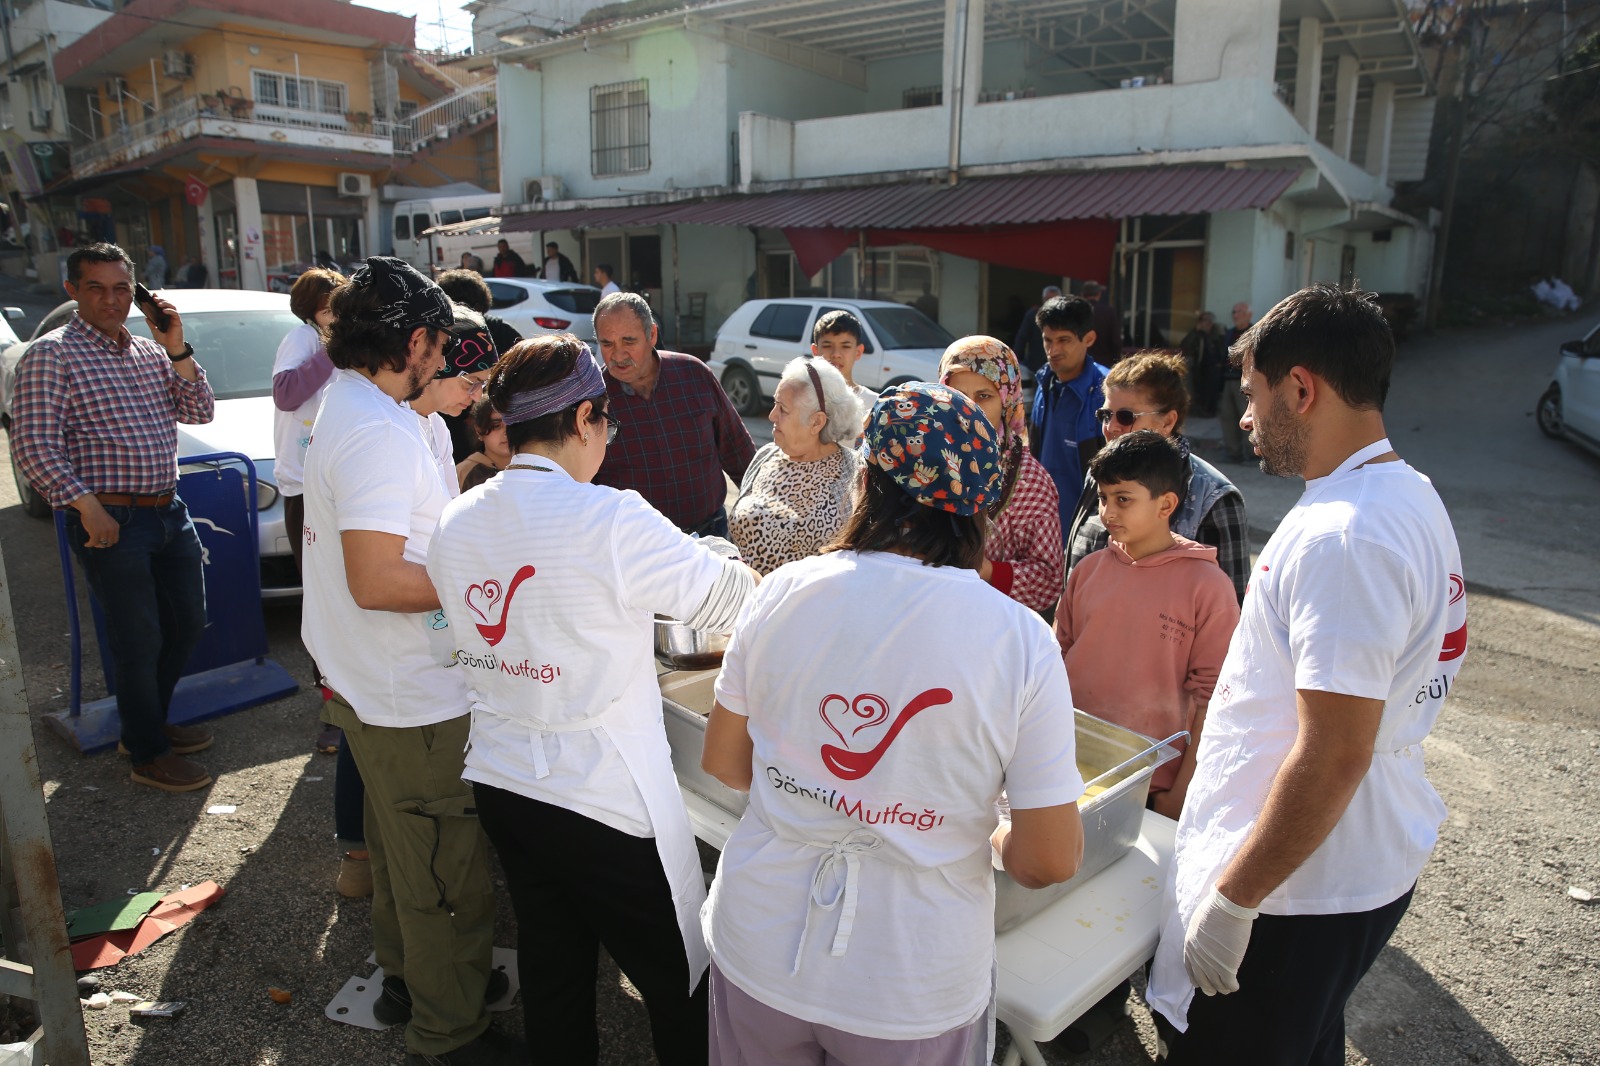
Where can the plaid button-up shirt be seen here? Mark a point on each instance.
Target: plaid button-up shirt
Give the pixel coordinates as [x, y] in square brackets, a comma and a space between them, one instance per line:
[92, 413]
[675, 446]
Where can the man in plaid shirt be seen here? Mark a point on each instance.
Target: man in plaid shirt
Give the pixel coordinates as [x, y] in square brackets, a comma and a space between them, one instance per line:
[94, 432]
[679, 432]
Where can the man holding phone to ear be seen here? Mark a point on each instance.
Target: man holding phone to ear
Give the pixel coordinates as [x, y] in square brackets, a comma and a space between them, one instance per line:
[94, 431]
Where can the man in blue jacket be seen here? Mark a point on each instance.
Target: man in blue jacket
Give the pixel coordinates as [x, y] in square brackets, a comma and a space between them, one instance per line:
[1063, 430]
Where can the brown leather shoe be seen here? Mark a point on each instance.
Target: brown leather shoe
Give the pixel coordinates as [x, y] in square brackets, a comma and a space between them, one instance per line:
[171, 773]
[182, 739]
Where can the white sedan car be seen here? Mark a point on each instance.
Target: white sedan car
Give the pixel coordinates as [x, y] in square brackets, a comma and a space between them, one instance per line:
[534, 307]
[1570, 406]
[235, 334]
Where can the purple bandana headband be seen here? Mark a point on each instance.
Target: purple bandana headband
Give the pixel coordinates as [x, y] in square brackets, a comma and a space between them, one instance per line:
[585, 382]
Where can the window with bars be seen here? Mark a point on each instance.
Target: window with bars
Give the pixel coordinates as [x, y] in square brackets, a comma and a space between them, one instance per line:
[619, 128]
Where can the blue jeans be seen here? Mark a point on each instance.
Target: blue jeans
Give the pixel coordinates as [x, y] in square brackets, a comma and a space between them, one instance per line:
[151, 589]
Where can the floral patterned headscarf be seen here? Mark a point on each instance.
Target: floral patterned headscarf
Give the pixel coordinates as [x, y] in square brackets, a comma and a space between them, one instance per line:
[996, 361]
[936, 445]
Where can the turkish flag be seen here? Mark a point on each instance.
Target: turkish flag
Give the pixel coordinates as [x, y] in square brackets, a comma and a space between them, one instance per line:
[194, 191]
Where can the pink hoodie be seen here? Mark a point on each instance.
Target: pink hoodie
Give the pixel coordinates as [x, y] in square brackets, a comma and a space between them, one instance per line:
[1144, 641]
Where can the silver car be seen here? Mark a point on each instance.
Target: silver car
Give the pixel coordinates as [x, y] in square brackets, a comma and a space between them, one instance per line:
[235, 334]
[1570, 406]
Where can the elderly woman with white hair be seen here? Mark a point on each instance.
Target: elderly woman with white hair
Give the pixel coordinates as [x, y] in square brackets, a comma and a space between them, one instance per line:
[799, 489]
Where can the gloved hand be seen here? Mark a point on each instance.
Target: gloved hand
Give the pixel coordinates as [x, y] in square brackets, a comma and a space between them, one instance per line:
[727, 549]
[1215, 943]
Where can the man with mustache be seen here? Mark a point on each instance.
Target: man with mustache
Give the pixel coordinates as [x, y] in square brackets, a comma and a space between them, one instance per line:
[680, 432]
[1309, 816]
[372, 621]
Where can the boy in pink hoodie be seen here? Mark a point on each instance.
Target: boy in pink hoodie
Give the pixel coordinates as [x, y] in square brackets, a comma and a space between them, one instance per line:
[1145, 622]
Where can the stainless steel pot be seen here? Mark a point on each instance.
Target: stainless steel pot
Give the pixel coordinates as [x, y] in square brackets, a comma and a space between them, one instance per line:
[683, 648]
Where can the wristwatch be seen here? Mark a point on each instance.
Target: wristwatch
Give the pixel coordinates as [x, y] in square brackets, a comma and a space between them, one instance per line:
[188, 350]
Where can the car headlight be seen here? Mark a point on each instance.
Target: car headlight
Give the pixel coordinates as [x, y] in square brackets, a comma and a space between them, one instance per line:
[266, 494]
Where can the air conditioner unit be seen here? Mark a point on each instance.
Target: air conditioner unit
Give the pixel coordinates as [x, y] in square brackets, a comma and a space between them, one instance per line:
[178, 65]
[542, 189]
[355, 185]
[39, 119]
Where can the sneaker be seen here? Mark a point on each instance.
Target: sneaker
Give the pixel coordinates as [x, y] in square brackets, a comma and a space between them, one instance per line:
[171, 773]
[182, 739]
[355, 875]
[393, 1005]
[490, 1049]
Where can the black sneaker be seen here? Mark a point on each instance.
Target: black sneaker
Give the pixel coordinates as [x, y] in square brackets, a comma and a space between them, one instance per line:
[393, 1005]
[490, 1049]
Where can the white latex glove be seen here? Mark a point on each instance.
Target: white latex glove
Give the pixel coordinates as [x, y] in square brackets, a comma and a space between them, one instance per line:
[1215, 943]
[727, 549]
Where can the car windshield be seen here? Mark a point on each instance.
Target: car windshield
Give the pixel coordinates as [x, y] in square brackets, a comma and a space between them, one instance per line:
[906, 327]
[236, 348]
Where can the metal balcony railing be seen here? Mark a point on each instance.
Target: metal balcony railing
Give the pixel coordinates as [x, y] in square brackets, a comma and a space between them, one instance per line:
[445, 116]
[181, 118]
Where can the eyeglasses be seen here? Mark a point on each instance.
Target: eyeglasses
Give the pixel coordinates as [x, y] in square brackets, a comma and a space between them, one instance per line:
[475, 386]
[1124, 417]
[613, 427]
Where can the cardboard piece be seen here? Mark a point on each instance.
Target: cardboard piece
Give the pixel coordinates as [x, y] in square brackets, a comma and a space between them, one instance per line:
[174, 910]
[110, 916]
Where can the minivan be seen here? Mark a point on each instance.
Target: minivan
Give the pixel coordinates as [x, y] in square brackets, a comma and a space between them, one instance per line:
[412, 218]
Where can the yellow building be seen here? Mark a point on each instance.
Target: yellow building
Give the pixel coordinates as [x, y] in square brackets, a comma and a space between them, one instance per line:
[255, 135]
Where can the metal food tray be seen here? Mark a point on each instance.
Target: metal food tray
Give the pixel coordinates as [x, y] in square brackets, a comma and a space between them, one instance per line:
[1124, 761]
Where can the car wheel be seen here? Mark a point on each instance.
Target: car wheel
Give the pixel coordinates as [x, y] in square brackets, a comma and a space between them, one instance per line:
[1548, 412]
[32, 502]
[743, 391]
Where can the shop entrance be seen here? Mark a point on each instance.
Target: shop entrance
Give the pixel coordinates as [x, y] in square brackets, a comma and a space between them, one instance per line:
[1162, 280]
[1012, 295]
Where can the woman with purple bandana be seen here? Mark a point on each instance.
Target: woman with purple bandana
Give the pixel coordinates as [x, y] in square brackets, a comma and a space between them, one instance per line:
[551, 584]
[852, 918]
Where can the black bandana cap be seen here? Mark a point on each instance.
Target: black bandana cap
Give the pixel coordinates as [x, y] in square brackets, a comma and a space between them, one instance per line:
[409, 299]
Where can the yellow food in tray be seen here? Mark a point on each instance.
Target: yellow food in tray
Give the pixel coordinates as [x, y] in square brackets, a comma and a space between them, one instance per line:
[1090, 793]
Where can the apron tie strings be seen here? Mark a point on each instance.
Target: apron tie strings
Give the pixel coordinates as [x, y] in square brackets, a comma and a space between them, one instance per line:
[844, 887]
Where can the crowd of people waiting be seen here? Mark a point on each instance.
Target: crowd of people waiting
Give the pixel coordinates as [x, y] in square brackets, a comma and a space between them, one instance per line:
[488, 527]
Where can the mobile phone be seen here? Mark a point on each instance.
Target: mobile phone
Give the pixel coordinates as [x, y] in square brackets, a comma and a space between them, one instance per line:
[152, 310]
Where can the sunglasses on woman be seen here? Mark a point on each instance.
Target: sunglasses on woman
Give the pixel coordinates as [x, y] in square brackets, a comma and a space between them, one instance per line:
[613, 427]
[1124, 417]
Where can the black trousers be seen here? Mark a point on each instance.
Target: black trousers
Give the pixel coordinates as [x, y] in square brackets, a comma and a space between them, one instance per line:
[1297, 975]
[577, 884]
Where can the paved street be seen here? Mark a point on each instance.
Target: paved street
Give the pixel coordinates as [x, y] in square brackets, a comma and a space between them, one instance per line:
[1495, 963]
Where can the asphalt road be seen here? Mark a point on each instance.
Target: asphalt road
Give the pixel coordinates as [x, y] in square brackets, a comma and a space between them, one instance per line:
[1495, 963]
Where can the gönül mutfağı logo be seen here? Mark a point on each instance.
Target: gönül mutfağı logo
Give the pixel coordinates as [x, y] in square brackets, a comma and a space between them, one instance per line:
[856, 722]
[491, 602]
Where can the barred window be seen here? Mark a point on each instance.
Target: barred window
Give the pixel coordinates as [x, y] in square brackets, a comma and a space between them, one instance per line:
[619, 128]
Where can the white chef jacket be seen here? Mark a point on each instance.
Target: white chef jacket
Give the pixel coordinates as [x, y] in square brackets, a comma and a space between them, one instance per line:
[1358, 592]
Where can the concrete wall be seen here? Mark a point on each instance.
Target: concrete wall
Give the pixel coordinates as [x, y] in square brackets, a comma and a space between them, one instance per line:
[1219, 39]
[521, 131]
[714, 260]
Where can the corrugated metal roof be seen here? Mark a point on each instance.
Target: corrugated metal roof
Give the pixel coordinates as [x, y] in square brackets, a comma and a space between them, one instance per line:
[974, 203]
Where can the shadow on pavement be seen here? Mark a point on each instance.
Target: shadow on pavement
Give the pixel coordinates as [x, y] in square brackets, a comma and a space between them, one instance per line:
[1399, 1016]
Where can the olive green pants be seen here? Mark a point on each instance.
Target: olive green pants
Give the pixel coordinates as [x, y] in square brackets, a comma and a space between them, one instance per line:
[432, 902]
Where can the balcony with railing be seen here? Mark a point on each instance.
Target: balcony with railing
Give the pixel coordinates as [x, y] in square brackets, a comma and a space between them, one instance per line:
[233, 118]
[468, 106]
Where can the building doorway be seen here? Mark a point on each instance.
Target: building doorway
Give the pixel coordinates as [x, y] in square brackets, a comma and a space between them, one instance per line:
[1012, 295]
[1162, 278]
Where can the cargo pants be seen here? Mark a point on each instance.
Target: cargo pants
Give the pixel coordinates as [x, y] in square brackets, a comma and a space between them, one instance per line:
[433, 905]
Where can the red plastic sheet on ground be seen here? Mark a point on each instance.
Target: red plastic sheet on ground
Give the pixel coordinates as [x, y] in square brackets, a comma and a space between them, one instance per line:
[174, 910]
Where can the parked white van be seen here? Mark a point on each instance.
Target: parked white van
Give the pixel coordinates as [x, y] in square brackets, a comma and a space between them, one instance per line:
[412, 218]
[481, 238]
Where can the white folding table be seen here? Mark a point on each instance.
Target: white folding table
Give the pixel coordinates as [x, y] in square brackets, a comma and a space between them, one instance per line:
[1061, 961]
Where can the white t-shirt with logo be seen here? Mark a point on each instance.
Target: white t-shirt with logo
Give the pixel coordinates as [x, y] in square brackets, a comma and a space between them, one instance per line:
[368, 467]
[888, 702]
[551, 586]
[291, 430]
[1358, 592]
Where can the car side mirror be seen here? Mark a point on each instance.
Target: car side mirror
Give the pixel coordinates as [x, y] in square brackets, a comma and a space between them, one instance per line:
[1574, 348]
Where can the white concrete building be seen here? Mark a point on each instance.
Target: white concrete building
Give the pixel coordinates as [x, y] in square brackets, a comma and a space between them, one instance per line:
[1191, 153]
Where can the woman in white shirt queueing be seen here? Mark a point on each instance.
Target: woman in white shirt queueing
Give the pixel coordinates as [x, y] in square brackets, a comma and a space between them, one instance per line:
[852, 918]
[550, 584]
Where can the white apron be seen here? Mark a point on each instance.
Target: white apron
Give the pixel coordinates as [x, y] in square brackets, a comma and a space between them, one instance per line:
[642, 743]
[1170, 990]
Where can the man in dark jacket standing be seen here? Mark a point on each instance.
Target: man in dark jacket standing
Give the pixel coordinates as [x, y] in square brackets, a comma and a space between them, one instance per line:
[1107, 347]
[507, 264]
